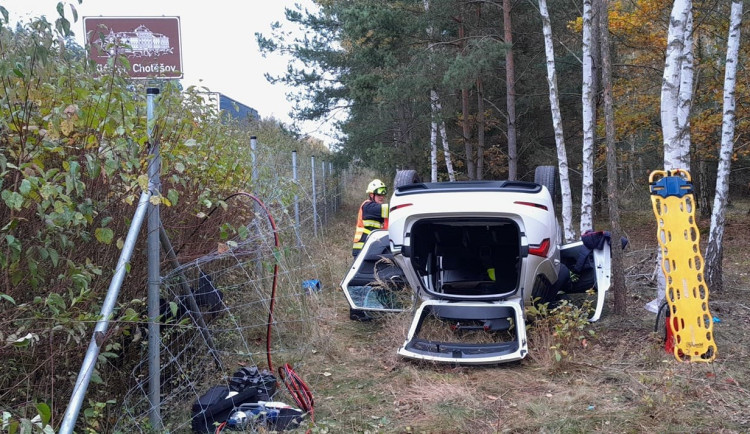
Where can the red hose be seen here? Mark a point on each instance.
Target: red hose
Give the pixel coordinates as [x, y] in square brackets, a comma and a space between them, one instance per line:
[298, 389]
[295, 385]
[275, 272]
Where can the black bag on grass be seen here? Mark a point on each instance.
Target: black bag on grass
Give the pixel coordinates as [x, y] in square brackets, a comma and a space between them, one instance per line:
[214, 407]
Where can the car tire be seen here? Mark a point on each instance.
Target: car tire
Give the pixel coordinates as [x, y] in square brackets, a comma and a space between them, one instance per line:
[547, 176]
[405, 177]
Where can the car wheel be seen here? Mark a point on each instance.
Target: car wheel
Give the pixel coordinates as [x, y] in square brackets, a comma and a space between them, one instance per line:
[547, 176]
[405, 177]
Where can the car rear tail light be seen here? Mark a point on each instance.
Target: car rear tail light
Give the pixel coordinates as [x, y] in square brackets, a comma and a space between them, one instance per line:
[403, 205]
[535, 205]
[540, 249]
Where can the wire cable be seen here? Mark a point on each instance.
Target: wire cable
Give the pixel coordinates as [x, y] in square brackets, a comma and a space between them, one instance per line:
[275, 271]
[299, 390]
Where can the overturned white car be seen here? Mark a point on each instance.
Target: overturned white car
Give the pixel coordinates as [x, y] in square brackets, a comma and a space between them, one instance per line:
[466, 257]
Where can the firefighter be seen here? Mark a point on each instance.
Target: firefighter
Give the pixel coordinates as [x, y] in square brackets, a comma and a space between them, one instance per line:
[373, 214]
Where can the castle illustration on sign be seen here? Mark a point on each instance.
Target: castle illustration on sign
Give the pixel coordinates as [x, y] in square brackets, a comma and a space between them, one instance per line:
[141, 42]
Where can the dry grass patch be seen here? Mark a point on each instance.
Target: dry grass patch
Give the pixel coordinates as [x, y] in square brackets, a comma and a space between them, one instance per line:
[620, 381]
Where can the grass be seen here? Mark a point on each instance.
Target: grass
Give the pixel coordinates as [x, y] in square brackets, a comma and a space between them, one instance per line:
[621, 381]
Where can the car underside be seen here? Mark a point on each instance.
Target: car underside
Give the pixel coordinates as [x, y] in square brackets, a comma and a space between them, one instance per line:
[465, 258]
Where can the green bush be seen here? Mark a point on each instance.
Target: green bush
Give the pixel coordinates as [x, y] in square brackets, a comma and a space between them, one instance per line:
[73, 162]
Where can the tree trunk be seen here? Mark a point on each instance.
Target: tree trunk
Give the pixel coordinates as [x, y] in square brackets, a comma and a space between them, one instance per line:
[444, 137]
[702, 191]
[631, 162]
[510, 89]
[685, 98]
[613, 199]
[466, 128]
[589, 130]
[562, 158]
[673, 113]
[480, 129]
[714, 250]
[595, 55]
[433, 137]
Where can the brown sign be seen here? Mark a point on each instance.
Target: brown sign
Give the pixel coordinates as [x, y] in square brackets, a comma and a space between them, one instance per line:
[151, 44]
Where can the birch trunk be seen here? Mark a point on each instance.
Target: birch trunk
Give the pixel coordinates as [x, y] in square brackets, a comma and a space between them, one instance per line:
[673, 113]
[510, 89]
[714, 250]
[562, 158]
[587, 193]
[685, 98]
[444, 138]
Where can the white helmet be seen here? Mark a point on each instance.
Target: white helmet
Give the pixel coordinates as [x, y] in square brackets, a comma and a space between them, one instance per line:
[377, 186]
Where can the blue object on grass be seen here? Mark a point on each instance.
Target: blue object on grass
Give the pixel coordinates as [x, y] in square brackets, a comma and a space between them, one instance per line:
[312, 285]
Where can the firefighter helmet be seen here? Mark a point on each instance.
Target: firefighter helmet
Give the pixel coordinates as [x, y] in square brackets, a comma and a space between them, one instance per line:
[376, 187]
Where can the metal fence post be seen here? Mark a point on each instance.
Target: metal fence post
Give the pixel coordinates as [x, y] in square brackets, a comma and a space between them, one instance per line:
[334, 202]
[324, 192]
[314, 197]
[154, 261]
[296, 197]
[253, 146]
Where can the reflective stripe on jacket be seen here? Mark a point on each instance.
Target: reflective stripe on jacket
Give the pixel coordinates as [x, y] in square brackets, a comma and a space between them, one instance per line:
[371, 216]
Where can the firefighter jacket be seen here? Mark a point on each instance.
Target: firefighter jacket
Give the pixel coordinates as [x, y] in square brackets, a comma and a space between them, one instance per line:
[371, 216]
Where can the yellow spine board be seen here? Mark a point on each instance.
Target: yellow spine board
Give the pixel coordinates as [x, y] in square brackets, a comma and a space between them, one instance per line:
[690, 321]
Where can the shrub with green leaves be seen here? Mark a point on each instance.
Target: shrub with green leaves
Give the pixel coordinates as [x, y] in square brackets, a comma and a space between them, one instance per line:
[560, 331]
[74, 152]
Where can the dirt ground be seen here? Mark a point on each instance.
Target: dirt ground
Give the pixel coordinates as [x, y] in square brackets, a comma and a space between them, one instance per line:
[618, 380]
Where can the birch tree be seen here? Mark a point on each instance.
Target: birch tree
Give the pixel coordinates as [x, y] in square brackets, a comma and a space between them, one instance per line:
[588, 104]
[685, 96]
[433, 137]
[436, 110]
[676, 96]
[562, 158]
[714, 250]
[676, 89]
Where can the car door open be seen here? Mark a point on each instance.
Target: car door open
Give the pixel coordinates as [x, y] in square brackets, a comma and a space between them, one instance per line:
[374, 282]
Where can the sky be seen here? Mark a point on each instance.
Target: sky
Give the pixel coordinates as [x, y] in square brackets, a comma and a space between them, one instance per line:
[219, 49]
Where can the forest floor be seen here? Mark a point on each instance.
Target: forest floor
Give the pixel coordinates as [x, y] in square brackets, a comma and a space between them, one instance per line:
[620, 380]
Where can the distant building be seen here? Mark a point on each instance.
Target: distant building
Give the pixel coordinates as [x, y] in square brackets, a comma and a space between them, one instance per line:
[139, 42]
[236, 109]
[231, 107]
